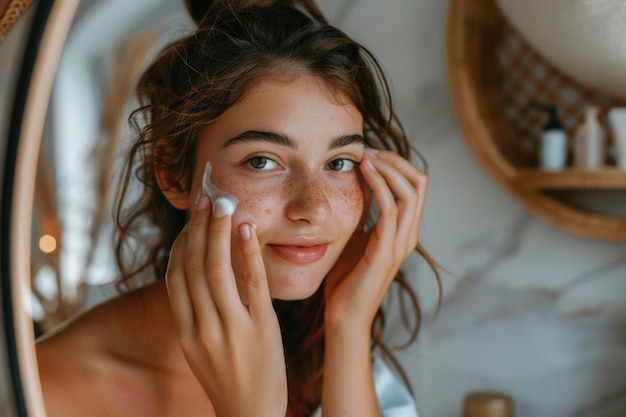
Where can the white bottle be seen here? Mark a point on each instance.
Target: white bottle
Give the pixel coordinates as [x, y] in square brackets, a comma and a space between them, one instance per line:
[617, 118]
[590, 141]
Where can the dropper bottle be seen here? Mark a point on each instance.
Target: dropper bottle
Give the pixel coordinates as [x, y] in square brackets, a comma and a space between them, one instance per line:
[553, 143]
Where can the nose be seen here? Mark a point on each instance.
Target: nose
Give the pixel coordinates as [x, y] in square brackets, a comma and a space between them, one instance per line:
[309, 201]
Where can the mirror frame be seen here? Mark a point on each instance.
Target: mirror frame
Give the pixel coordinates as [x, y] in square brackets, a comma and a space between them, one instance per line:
[47, 36]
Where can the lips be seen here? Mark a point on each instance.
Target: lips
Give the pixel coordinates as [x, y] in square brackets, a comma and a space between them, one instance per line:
[302, 252]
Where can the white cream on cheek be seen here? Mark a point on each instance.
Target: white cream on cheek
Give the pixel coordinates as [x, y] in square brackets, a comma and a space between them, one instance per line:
[230, 200]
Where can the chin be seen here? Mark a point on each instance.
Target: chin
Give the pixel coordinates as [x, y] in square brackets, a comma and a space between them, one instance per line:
[297, 285]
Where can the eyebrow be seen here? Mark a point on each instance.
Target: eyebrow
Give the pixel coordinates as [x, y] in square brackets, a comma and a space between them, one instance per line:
[284, 140]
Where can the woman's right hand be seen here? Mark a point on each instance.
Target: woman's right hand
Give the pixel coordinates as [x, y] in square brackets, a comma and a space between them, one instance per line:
[235, 350]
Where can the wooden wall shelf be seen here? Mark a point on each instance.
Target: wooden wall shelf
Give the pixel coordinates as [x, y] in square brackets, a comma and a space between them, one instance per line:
[490, 110]
[571, 179]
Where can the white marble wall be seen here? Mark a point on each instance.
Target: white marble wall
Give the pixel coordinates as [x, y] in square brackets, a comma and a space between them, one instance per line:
[527, 309]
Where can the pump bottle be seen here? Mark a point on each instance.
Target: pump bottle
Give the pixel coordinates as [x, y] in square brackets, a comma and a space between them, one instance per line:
[553, 143]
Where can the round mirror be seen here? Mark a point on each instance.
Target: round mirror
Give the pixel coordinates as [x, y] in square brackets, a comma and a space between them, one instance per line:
[48, 30]
[511, 274]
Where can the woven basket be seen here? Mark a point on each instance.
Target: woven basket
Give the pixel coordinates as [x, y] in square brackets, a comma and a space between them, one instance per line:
[494, 75]
[8, 17]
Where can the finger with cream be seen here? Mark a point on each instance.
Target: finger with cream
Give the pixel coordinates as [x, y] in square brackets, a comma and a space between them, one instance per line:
[214, 193]
[227, 201]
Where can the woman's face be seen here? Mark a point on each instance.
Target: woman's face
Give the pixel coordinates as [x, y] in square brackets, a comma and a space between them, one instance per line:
[289, 151]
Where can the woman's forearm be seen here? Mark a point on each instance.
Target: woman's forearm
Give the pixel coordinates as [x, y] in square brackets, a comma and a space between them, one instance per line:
[348, 388]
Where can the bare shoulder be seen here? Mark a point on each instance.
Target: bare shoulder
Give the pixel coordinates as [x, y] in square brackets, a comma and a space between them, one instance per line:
[73, 362]
[113, 360]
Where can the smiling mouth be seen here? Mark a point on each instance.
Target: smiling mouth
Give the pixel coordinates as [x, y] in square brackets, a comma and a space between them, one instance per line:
[300, 254]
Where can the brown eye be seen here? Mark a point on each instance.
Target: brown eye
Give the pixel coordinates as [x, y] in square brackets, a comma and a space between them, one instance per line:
[341, 164]
[261, 163]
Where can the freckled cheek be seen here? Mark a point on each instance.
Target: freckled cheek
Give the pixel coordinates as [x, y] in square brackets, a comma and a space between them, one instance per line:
[255, 203]
[349, 204]
[346, 202]
[260, 204]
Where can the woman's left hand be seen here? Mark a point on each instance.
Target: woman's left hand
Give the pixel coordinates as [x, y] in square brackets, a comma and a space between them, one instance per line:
[356, 285]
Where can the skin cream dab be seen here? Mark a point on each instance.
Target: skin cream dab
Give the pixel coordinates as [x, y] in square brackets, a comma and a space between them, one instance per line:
[228, 201]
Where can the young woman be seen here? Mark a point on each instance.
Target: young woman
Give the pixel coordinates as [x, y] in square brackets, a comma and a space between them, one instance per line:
[266, 138]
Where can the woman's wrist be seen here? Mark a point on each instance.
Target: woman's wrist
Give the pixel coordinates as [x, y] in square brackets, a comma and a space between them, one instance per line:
[347, 334]
[348, 381]
[351, 325]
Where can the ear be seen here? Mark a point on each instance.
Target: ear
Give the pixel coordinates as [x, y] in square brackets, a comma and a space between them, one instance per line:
[169, 182]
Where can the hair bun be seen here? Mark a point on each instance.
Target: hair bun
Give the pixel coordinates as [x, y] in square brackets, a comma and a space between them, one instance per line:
[198, 9]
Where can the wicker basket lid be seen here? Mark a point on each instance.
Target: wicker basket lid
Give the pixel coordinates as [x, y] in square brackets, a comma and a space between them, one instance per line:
[488, 404]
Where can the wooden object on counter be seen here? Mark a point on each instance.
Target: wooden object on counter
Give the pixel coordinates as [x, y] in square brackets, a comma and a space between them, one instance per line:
[493, 74]
[487, 404]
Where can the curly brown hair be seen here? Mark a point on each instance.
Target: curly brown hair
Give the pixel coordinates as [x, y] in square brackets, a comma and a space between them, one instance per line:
[196, 79]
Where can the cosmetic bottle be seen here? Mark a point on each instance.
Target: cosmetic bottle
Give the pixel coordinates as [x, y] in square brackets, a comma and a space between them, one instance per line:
[553, 142]
[590, 141]
[487, 404]
[617, 121]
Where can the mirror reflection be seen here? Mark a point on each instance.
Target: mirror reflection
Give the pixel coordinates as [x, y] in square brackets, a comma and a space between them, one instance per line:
[529, 310]
[85, 131]
[264, 200]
